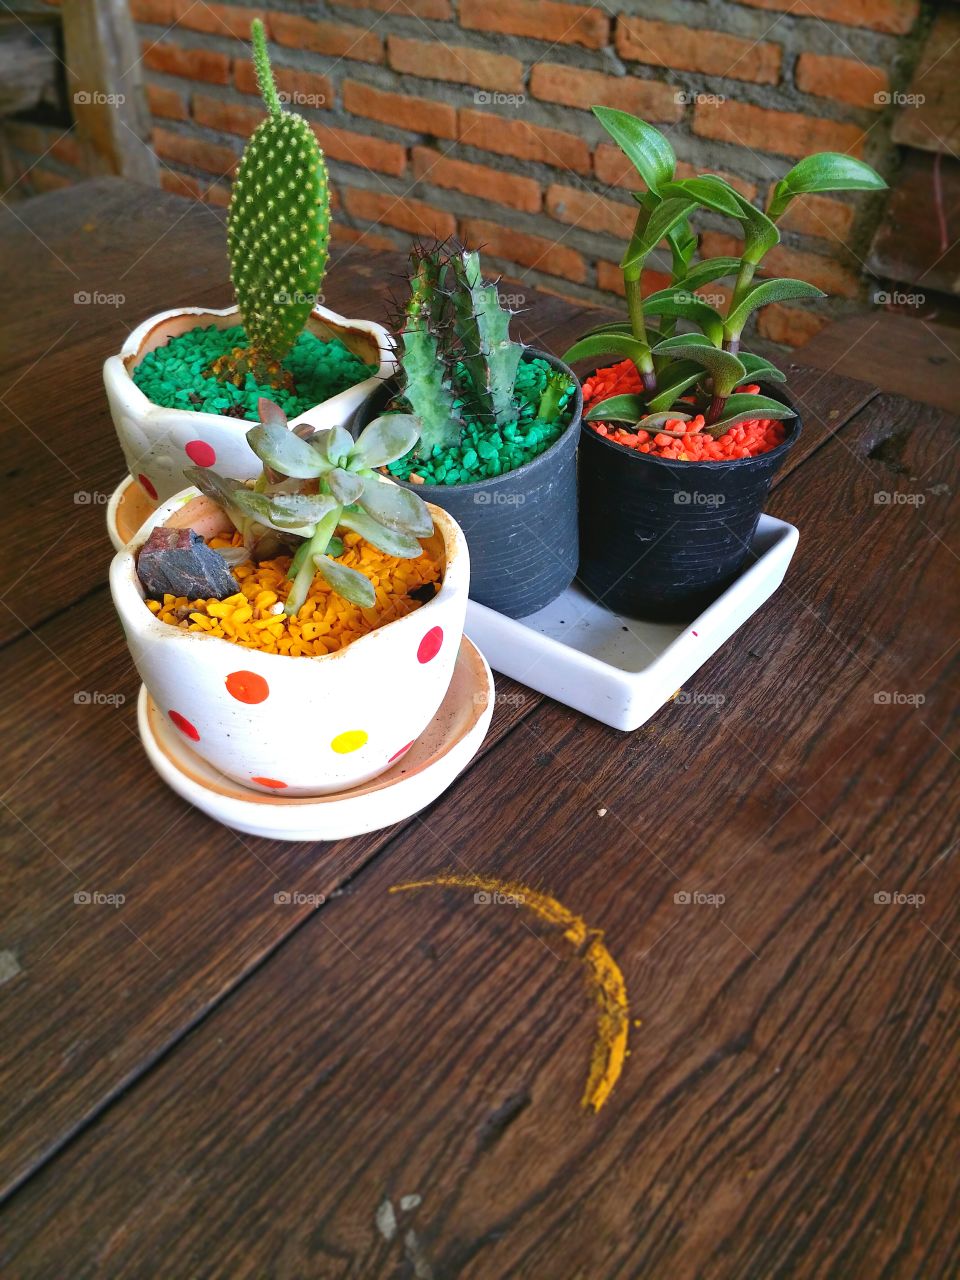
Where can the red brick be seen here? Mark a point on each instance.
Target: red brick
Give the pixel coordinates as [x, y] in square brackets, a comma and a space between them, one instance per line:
[335, 39]
[476, 180]
[799, 264]
[226, 117]
[181, 184]
[166, 103]
[786, 133]
[208, 156]
[303, 88]
[843, 80]
[357, 148]
[193, 64]
[39, 140]
[651, 99]
[527, 250]
[419, 115]
[369, 239]
[430, 9]
[217, 195]
[580, 24]
[414, 216]
[613, 167]
[216, 19]
[893, 16]
[590, 212]
[456, 63]
[525, 141]
[610, 279]
[667, 44]
[818, 216]
[789, 325]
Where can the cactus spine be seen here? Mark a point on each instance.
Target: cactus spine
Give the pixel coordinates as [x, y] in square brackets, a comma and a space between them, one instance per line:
[426, 366]
[483, 326]
[278, 230]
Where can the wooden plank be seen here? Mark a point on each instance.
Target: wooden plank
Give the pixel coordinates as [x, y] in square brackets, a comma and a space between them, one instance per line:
[786, 1105]
[915, 245]
[930, 116]
[101, 993]
[105, 77]
[30, 69]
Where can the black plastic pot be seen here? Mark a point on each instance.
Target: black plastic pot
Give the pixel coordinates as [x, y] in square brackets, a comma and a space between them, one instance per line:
[521, 527]
[660, 540]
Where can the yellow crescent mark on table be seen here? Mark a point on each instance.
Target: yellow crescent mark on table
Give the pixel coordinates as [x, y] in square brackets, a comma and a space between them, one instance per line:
[603, 974]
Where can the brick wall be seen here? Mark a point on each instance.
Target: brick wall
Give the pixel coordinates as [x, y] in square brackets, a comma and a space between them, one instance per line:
[471, 117]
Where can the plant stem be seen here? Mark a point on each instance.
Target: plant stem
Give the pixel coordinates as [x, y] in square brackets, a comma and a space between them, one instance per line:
[731, 341]
[316, 545]
[631, 281]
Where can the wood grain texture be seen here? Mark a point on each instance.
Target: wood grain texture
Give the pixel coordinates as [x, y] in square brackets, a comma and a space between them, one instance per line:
[789, 1105]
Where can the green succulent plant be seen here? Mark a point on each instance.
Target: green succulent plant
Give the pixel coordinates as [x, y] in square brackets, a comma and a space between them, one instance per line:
[707, 364]
[314, 484]
[278, 230]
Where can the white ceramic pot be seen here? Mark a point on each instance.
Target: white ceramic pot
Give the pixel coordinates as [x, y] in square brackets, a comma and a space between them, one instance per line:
[296, 726]
[159, 443]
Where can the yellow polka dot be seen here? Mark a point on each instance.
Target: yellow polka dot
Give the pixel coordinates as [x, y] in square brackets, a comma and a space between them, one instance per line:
[352, 740]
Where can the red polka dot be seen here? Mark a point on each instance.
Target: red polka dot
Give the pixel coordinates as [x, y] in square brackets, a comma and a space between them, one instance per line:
[430, 645]
[398, 754]
[247, 686]
[198, 451]
[269, 782]
[184, 725]
[147, 484]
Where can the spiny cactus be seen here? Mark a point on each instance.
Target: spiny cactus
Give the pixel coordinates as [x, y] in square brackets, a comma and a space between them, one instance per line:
[426, 363]
[278, 230]
[483, 325]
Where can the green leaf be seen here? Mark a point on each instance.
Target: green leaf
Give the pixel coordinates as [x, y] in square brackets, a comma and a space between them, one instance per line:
[725, 369]
[769, 291]
[661, 222]
[333, 444]
[290, 512]
[705, 272]
[385, 440]
[390, 541]
[645, 147]
[709, 191]
[618, 327]
[673, 383]
[826, 171]
[757, 367]
[613, 344]
[344, 485]
[759, 233]
[396, 508]
[683, 305]
[281, 450]
[346, 582]
[746, 407]
[658, 421]
[616, 409]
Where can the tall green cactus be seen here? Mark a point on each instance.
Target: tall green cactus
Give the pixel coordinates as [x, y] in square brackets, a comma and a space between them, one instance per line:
[483, 326]
[426, 366]
[278, 230]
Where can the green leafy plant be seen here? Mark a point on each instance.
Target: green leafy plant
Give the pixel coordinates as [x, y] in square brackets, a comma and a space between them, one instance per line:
[708, 363]
[456, 353]
[317, 483]
[278, 230]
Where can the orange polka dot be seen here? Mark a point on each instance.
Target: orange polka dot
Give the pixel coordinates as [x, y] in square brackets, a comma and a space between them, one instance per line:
[247, 686]
[184, 725]
[269, 782]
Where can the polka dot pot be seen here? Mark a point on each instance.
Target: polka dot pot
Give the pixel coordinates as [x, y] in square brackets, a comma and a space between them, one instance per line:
[296, 726]
[158, 443]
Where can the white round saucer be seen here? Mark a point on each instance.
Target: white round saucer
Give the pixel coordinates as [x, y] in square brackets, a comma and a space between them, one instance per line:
[444, 749]
[127, 509]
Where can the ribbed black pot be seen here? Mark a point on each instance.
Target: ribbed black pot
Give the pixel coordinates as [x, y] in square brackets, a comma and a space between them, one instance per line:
[521, 527]
[660, 540]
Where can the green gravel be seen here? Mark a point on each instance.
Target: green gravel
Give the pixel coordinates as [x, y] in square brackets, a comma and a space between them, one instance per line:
[484, 450]
[174, 375]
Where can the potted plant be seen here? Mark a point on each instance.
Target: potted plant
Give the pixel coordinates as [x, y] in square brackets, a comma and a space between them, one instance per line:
[300, 629]
[183, 390]
[682, 437]
[497, 427]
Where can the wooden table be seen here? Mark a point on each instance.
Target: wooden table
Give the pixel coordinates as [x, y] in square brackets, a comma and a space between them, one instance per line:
[202, 1082]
